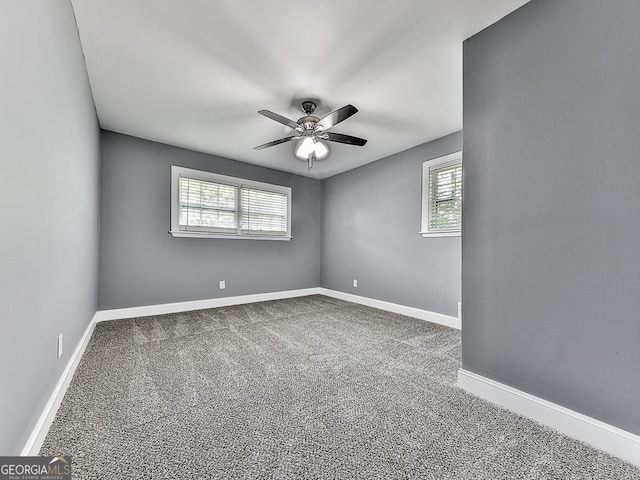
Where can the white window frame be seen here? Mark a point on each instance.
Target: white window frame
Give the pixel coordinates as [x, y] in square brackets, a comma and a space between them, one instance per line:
[425, 230]
[177, 172]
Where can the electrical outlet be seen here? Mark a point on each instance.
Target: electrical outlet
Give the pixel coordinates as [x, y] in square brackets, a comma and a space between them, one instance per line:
[355, 283]
[60, 338]
[223, 285]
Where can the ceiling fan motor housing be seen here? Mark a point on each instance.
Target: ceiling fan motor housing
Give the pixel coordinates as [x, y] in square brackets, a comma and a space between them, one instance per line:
[308, 122]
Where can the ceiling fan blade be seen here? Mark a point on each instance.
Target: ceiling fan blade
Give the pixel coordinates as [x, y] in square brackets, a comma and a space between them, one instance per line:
[275, 142]
[337, 116]
[342, 138]
[279, 118]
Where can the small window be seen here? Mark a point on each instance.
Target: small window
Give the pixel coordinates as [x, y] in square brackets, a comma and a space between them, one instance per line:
[206, 204]
[442, 196]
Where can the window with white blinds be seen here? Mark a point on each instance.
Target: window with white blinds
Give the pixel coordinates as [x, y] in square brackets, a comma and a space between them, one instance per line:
[210, 205]
[207, 207]
[262, 211]
[442, 196]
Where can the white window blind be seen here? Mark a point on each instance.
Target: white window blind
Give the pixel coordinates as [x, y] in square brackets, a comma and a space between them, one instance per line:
[210, 205]
[207, 206]
[442, 196]
[263, 212]
[445, 205]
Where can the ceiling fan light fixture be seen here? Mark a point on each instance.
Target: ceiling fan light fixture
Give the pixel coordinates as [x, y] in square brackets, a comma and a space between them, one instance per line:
[306, 146]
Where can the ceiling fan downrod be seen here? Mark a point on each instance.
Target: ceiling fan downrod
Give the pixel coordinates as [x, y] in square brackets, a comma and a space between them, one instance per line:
[308, 107]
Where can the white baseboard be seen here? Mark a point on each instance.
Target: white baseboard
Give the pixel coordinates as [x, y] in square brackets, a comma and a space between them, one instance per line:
[427, 315]
[39, 432]
[148, 310]
[613, 440]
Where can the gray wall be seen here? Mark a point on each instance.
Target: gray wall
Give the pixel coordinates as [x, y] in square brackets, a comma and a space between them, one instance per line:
[142, 264]
[370, 223]
[551, 234]
[49, 164]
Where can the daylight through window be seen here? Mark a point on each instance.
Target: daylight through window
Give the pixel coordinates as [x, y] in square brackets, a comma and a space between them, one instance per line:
[442, 196]
[212, 205]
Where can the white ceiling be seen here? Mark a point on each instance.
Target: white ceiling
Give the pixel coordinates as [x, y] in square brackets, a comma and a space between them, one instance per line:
[193, 73]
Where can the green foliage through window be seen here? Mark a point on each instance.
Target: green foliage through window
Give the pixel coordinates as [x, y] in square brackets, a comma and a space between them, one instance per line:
[445, 185]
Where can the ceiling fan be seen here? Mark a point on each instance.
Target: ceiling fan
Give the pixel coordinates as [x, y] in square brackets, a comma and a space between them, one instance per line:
[310, 131]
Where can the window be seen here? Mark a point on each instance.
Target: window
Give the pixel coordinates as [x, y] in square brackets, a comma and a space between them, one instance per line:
[442, 196]
[206, 204]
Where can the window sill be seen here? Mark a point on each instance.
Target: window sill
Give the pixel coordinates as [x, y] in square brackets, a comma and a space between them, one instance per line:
[228, 236]
[440, 234]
